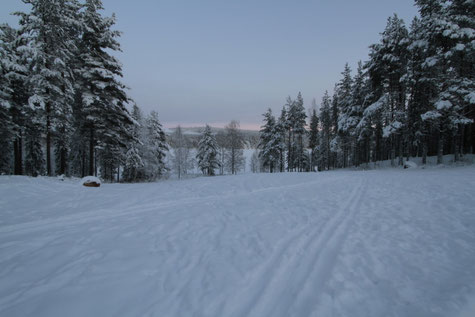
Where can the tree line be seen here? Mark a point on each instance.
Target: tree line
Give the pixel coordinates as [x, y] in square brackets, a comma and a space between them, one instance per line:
[415, 96]
[63, 109]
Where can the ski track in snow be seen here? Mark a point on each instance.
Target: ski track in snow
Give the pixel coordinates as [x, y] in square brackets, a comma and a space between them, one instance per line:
[390, 242]
[304, 258]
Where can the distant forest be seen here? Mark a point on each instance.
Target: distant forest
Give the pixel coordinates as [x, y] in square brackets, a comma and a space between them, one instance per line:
[64, 110]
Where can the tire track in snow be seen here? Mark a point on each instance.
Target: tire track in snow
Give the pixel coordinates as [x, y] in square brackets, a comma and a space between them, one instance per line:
[289, 282]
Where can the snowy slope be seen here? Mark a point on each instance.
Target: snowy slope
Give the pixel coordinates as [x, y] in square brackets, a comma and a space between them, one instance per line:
[346, 243]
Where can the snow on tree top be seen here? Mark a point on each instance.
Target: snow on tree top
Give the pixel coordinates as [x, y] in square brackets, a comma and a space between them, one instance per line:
[443, 104]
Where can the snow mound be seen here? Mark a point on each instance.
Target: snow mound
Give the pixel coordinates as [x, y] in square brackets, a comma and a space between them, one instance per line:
[410, 164]
[91, 181]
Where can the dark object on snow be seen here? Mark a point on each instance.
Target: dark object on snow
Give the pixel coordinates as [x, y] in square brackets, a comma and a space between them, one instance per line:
[91, 184]
[91, 181]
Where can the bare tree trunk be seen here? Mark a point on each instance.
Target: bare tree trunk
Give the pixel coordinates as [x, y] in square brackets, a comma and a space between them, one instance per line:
[401, 153]
[393, 151]
[470, 139]
[232, 162]
[62, 163]
[83, 162]
[91, 151]
[456, 147]
[289, 152]
[440, 148]
[345, 153]
[48, 140]
[18, 156]
[424, 151]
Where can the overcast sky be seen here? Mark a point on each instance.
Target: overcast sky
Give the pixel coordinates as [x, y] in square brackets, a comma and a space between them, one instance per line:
[198, 62]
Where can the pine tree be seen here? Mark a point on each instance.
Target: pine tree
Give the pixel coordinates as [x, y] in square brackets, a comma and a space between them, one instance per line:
[336, 152]
[387, 69]
[297, 121]
[314, 139]
[346, 120]
[6, 128]
[34, 160]
[326, 122]
[270, 141]
[448, 30]
[285, 122]
[207, 154]
[359, 97]
[15, 61]
[101, 98]
[281, 130]
[421, 91]
[50, 29]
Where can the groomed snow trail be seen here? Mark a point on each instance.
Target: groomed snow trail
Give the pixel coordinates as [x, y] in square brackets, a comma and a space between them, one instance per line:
[345, 243]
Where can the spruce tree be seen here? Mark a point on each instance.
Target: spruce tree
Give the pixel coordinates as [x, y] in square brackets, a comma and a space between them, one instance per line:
[207, 154]
[134, 168]
[156, 147]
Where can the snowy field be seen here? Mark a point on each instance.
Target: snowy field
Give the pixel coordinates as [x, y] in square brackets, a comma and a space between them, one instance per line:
[388, 242]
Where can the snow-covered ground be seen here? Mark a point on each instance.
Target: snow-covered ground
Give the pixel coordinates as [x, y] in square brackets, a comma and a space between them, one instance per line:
[388, 242]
